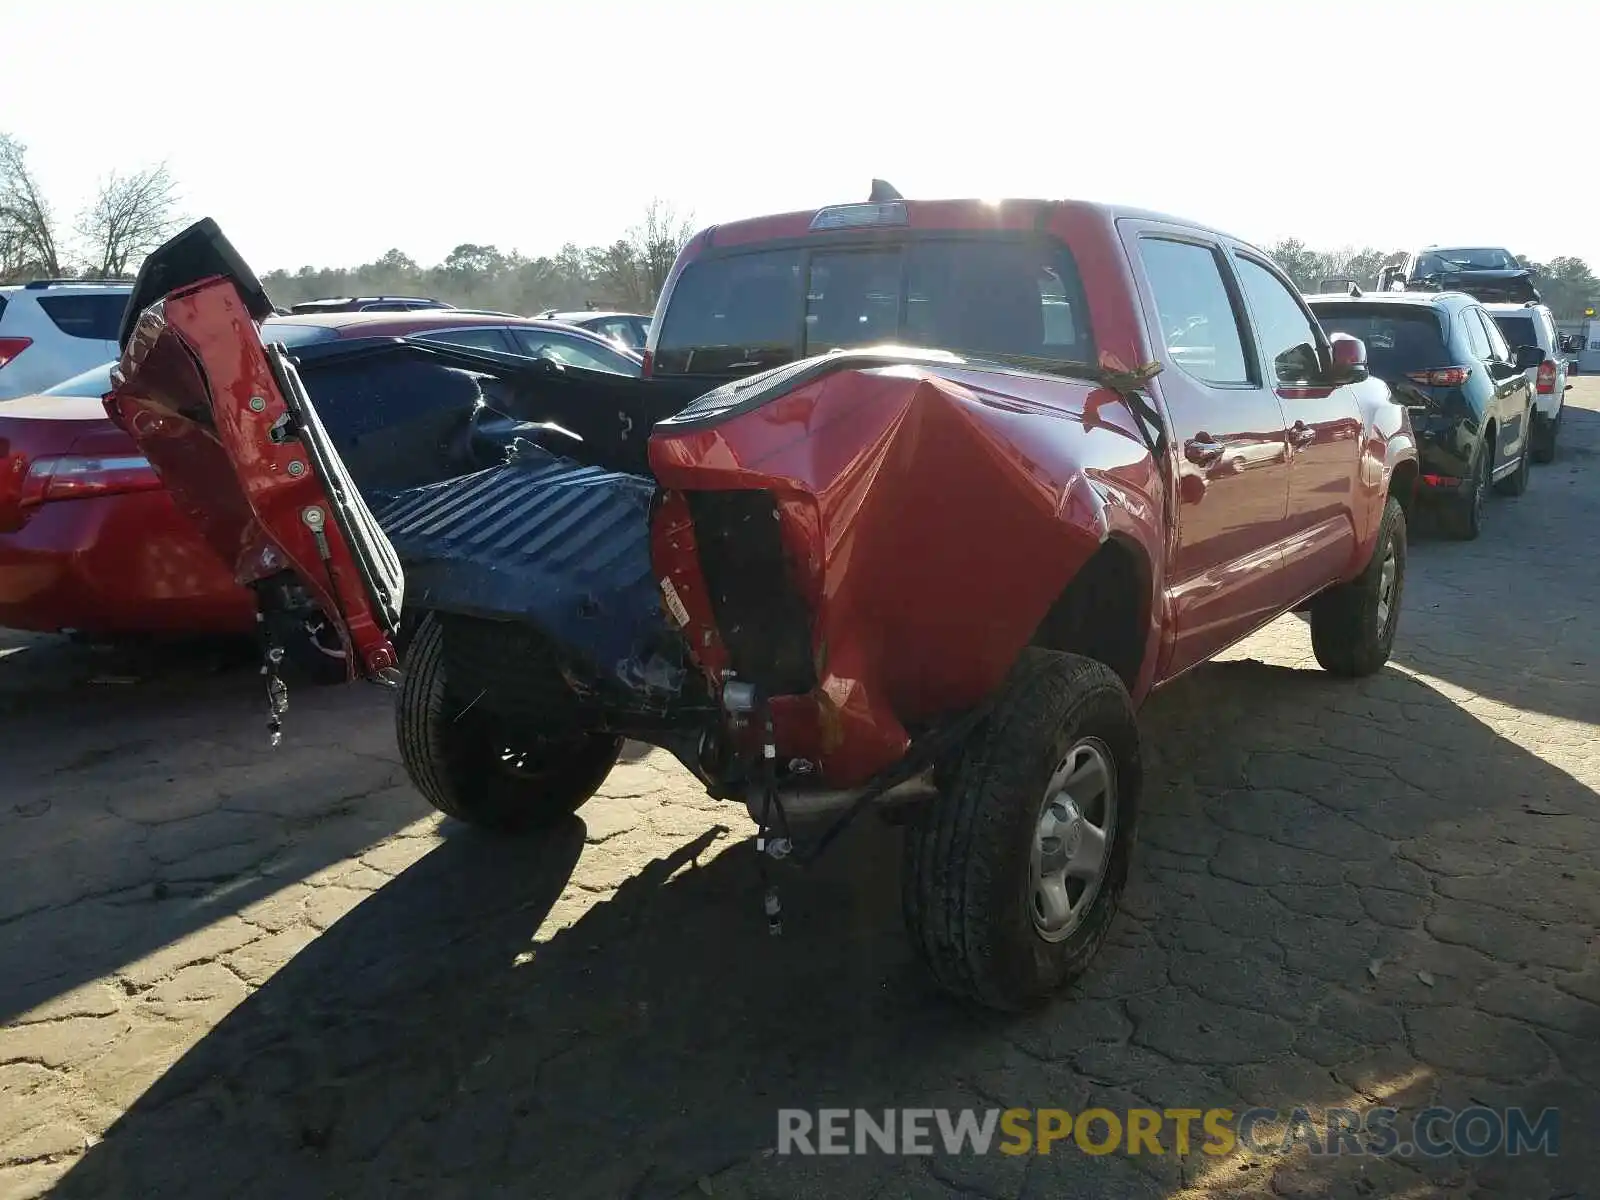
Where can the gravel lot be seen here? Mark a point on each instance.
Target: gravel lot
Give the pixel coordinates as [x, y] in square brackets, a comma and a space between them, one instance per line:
[228, 971]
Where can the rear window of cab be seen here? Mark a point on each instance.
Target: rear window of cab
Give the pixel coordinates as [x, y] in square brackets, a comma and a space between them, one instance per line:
[976, 296]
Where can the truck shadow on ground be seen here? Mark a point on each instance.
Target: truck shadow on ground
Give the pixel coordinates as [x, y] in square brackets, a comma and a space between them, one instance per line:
[1342, 889]
[148, 805]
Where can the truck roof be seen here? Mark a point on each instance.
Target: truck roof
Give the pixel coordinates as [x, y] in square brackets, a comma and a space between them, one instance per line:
[1016, 214]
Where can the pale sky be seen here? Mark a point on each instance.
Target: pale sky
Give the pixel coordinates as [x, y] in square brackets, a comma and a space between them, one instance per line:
[327, 132]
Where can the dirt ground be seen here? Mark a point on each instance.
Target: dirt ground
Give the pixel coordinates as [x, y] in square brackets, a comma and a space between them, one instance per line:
[232, 971]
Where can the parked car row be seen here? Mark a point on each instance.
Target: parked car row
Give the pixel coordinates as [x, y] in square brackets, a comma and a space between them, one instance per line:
[1483, 385]
[1462, 336]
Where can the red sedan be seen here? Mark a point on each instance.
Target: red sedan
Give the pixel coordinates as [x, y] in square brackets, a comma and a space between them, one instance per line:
[91, 543]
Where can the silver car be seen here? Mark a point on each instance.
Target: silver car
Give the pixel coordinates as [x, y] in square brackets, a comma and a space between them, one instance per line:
[1532, 324]
[53, 329]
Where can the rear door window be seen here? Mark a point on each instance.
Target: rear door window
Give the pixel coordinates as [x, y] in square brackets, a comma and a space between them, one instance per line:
[1198, 322]
[98, 317]
[978, 296]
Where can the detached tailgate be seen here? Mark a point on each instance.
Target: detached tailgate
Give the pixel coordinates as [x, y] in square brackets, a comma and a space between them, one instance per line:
[227, 423]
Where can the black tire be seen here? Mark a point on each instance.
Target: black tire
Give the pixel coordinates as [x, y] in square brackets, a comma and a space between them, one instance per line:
[968, 887]
[1544, 443]
[475, 766]
[1462, 516]
[1516, 483]
[1353, 625]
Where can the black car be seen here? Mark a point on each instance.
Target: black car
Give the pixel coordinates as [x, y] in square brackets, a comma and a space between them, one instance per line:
[1491, 274]
[1466, 389]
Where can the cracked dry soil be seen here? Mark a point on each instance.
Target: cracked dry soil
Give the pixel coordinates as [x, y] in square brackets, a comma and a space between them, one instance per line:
[229, 971]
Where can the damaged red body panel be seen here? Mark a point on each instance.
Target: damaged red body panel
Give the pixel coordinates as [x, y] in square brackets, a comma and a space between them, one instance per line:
[195, 388]
[914, 619]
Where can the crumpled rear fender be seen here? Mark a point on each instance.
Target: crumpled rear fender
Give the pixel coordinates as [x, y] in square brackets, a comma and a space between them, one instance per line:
[929, 520]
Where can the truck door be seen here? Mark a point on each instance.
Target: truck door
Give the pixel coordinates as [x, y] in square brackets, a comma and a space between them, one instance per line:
[1324, 431]
[1229, 441]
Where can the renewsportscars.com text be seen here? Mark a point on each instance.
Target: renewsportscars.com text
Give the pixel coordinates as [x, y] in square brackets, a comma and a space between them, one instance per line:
[1476, 1132]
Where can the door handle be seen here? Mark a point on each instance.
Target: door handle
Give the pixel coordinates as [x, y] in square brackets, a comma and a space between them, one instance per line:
[1202, 451]
[1301, 435]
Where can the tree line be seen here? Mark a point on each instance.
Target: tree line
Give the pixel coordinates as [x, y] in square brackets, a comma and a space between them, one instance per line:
[625, 275]
[1566, 283]
[133, 212]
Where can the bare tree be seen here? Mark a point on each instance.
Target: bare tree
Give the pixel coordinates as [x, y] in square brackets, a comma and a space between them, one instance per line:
[27, 233]
[131, 216]
[634, 269]
[656, 241]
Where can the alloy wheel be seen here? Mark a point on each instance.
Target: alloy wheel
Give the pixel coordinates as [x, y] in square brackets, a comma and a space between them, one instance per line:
[1072, 839]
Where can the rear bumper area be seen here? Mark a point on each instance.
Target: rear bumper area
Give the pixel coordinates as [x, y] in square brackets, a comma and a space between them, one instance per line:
[117, 566]
[1444, 452]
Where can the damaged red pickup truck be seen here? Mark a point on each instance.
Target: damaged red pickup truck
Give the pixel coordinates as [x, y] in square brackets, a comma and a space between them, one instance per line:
[917, 503]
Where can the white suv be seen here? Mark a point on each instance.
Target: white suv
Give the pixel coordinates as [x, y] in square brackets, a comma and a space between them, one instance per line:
[51, 330]
[1532, 324]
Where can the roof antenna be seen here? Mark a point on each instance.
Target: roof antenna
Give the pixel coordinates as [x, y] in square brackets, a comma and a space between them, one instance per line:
[883, 192]
[1355, 288]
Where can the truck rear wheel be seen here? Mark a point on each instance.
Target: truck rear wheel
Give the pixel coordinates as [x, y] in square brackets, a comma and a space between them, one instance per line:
[475, 766]
[1353, 625]
[1013, 874]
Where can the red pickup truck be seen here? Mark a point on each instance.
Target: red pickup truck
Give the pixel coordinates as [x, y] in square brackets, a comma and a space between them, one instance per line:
[917, 503]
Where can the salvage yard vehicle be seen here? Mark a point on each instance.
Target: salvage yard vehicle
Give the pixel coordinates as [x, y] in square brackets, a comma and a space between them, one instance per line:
[51, 329]
[1533, 324]
[1467, 392]
[1491, 274]
[917, 503]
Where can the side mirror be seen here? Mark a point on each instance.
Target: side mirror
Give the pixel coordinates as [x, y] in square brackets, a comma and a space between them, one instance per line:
[1347, 359]
[1528, 357]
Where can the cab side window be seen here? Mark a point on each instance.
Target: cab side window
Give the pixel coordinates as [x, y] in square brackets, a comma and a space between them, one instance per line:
[1287, 336]
[1195, 310]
